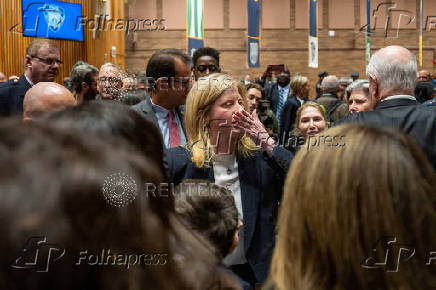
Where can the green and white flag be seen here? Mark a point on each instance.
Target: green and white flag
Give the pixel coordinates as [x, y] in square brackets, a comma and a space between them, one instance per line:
[194, 23]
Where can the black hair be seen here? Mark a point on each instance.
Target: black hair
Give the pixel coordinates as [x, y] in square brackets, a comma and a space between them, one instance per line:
[257, 87]
[161, 64]
[206, 51]
[82, 73]
[424, 91]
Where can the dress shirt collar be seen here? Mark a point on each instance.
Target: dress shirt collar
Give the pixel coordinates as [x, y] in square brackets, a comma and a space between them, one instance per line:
[159, 110]
[395, 97]
[29, 81]
[300, 100]
[285, 87]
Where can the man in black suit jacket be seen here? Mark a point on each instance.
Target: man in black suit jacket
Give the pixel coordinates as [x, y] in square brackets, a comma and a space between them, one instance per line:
[42, 63]
[273, 90]
[392, 75]
[170, 73]
[300, 89]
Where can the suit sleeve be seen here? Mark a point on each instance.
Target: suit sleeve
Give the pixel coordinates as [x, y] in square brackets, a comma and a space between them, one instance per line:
[280, 160]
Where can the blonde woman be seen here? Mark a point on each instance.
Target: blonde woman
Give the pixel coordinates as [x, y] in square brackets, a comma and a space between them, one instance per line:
[334, 233]
[228, 146]
[310, 120]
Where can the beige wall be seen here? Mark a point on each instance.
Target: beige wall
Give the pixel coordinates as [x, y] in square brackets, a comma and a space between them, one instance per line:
[341, 54]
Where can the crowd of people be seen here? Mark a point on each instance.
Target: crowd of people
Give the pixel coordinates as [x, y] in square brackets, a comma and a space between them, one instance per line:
[184, 177]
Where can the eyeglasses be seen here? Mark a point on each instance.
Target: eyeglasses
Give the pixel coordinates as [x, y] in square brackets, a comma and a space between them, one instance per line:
[212, 68]
[108, 79]
[48, 61]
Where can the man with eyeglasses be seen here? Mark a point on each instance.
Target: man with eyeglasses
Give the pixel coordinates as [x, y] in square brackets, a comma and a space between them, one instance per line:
[42, 62]
[206, 61]
[109, 82]
[169, 76]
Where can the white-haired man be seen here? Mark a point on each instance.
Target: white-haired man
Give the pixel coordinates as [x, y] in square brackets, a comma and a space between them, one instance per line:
[392, 74]
[334, 106]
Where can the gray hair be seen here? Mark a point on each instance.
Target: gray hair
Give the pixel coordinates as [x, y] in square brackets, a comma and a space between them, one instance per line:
[330, 84]
[358, 85]
[82, 73]
[109, 64]
[393, 71]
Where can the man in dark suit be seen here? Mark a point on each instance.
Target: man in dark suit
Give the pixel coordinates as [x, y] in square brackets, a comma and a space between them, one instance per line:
[42, 62]
[300, 89]
[170, 73]
[392, 75]
[278, 93]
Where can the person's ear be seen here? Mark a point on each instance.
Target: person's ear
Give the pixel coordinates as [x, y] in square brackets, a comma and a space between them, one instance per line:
[27, 61]
[373, 89]
[85, 86]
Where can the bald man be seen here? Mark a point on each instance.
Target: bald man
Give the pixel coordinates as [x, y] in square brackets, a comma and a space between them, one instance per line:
[45, 97]
[392, 75]
[334, 106]
[424, 76]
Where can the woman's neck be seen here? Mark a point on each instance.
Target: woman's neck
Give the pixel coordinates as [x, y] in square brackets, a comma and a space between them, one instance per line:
[224, 144]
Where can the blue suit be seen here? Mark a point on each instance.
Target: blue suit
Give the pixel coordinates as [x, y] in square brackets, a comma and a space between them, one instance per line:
[261, 178]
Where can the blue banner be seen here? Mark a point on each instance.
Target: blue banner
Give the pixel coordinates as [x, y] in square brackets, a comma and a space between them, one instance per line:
[313, 33]
[253, 33]
[52, 19]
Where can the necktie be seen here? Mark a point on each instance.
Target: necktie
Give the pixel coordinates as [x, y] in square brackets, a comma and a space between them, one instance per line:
[280, 103]
[174, 130]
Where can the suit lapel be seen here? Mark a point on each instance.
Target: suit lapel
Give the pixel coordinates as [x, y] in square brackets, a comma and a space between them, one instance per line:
[249, 180]
[147, 109]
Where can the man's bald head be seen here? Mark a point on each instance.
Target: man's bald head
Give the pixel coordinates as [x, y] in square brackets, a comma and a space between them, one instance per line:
[424, 76]
[46, 97]
[395, 69]
[330, 84]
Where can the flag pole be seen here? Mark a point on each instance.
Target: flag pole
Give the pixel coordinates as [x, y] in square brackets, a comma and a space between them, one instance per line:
[420, 32]
[368, 31]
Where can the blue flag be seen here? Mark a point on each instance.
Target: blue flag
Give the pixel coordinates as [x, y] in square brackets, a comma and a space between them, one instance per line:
[253, 33]
[313, 33]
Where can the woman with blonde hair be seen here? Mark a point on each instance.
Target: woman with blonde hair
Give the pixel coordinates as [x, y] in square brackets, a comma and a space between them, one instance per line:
[228, 146]
[310, 120]
[348, 210]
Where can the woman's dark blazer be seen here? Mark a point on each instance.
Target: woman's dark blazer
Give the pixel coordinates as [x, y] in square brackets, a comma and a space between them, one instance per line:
[261, 178]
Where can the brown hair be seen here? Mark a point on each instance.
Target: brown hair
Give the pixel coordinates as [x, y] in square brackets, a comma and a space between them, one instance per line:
[339, 201]
[209, 209]
[34, 47]
[65, 187]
